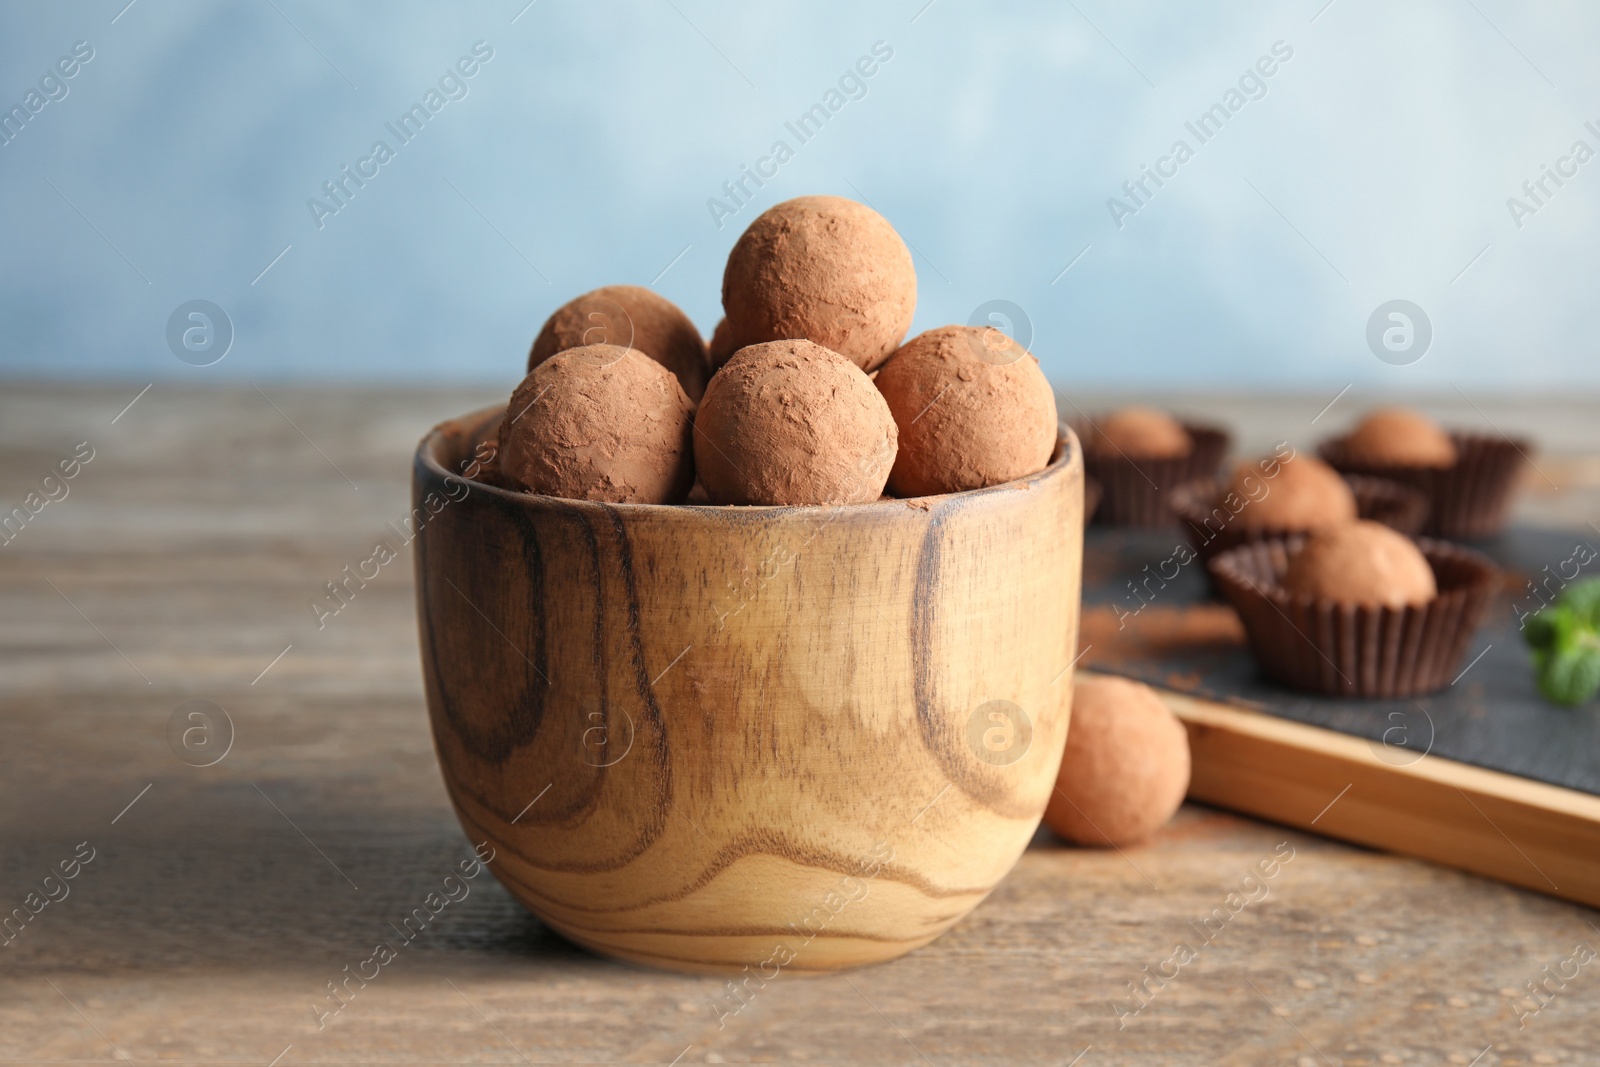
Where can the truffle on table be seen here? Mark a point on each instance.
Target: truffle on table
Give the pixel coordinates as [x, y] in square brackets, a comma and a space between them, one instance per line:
[791, 422]
[1142, 433]
[1400, 437]
[825, 269]
[600, 422]
[1304, 494]
[1361, 563]
[631, 317]
[1126, 765]
[973, 408]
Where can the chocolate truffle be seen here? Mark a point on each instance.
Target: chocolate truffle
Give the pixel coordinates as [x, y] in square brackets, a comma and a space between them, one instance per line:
[791, 422]
[1142, 433]
[1361, 563]
[1126, 765]
[632, 317]
[721, 345]
[1304, 494]
[973, 408]
[825, 269]
[600, 422]
[1400, 437]
[485, 463]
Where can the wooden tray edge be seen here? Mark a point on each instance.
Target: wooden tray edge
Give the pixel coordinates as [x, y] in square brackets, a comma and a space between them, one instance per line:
[1530, 834]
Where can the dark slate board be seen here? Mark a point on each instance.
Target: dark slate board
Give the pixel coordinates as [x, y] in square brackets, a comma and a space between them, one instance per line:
[1493, 717]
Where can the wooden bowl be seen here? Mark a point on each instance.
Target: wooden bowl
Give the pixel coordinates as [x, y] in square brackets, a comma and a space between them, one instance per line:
[706, 738]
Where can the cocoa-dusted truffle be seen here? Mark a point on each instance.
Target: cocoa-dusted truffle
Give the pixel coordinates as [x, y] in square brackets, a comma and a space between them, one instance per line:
[1361, 563]
[1142, 433]
[632, 317]
[600, 422]
[1304, 494]
[721, 345]
[973, 408]
[1126, 765]
[791, 422]
[825, 269]
[1400, 437]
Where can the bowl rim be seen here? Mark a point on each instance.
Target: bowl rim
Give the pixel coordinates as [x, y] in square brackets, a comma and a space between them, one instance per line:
[1067, 448]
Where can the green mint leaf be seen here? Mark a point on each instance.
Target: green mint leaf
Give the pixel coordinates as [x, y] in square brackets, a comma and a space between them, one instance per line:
[1571, 676]
[1543, 630]
[1583, 600]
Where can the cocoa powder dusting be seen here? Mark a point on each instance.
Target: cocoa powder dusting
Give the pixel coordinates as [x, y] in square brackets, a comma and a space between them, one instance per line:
[825, 269]
[790, 422]
[973, 408]
[631, 317]
[600, 422]
[1157, 633]
[1304, 494]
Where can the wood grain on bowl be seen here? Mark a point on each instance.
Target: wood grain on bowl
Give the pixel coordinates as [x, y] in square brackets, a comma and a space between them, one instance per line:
[703, 738]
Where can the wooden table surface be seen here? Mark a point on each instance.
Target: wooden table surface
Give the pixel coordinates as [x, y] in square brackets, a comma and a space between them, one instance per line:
[220, 901]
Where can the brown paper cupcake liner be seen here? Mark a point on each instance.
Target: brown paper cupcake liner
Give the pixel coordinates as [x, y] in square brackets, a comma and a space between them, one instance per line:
[1213, 528]
[1135, 491]
[1319, 646]
[1467, 501]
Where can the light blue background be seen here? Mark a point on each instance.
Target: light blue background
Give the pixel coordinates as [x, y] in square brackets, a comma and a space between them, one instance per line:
[1377, 166]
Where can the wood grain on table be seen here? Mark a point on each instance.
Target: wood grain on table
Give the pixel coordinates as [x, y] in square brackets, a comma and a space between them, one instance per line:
[220, 902]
